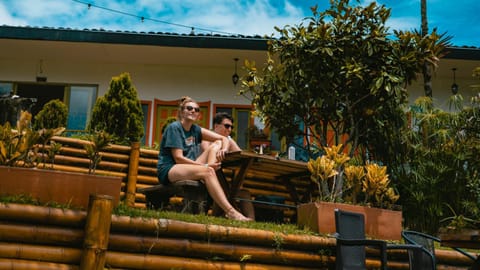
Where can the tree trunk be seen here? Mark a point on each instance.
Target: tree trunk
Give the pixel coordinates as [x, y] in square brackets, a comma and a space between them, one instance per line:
[427, 67]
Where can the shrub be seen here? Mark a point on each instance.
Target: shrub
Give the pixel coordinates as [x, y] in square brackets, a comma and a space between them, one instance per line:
[53, 115]
[340, 180]
[119, 112]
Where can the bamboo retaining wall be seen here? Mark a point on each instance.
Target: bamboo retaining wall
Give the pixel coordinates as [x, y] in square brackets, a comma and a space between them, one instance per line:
[37, 237]
[34, 237]
[137, 167]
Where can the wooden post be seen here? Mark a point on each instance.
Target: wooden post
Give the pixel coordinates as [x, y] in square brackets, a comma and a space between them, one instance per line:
[97, 232]
[132, 174]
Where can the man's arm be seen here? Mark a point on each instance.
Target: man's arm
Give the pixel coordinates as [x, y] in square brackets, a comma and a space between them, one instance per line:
[233, 146]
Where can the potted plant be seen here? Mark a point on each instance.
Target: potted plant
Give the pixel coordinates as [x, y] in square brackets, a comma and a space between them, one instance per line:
[24, 150]
[460, 230]
[359, 188]
[258, 139]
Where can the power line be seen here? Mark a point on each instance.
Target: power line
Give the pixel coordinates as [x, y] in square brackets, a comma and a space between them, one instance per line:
[143, 18]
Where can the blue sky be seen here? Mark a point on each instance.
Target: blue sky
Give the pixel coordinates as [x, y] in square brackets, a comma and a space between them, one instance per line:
[458, 18]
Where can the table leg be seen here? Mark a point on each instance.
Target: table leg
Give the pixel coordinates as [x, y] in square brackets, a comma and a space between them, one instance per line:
[222, 179]
[476, 264]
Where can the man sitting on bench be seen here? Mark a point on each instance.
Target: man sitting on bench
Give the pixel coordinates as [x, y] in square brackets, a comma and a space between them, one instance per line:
[223, 125]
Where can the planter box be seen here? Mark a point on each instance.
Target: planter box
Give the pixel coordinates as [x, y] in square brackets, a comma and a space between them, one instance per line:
[57, 186]
[380, 223]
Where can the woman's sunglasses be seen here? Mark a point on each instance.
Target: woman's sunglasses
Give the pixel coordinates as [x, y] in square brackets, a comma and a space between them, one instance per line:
[190, 108]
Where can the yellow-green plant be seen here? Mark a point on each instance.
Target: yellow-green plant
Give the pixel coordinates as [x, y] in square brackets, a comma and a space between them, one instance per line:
[327, 173]
[45, 137]
[19, 146]
[15, 144]
[339, 181]
[376, 187]
[98, 141]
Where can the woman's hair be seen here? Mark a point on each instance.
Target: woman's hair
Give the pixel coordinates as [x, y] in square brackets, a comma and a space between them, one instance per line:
[184, 100]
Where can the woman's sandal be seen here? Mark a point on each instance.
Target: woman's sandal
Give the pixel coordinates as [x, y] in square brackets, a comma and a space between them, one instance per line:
[235, 215]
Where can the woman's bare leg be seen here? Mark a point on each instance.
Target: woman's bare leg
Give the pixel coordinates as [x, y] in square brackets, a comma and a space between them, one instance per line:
[207, 174]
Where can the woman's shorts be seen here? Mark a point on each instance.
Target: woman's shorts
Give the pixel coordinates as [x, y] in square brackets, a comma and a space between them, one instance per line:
[162, 173]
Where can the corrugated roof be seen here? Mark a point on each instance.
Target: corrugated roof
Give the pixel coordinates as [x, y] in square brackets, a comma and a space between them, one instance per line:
[169, 39]
[134, 38]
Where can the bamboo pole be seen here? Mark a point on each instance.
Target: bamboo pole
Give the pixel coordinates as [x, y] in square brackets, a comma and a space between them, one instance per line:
[225, 251]
[85, 171]
[132, 173]
[80, 143]
[40, 253]
[42, 215]
[84, 162]
[33, 265]
[212, 233]
[148, 180]
[149, 153]
[149, 162]
[148, 170]
[157, 262]
[42, 235]
[80, 152]
[97, 231]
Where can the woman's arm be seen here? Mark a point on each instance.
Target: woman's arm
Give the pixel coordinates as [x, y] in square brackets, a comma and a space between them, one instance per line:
[179, 158]
[211, 136]
[214, 137]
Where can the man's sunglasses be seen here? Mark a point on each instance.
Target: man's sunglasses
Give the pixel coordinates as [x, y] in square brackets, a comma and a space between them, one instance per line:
[227, 126]
[190, 108]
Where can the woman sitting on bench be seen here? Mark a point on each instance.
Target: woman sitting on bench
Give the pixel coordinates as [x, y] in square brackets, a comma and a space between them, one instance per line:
[180, 158]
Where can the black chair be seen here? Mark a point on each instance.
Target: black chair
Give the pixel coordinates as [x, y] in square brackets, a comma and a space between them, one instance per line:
[425, 259]
[351, 243]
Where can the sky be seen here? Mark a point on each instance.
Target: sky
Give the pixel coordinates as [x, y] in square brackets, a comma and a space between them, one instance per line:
[458, 18]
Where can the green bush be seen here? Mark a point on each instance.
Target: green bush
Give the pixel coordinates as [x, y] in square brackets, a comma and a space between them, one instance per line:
[119, 112]
[54, 114]
[441, 171]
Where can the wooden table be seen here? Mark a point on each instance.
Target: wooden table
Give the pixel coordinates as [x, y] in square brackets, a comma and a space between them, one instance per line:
[463, 238]
[268, 175]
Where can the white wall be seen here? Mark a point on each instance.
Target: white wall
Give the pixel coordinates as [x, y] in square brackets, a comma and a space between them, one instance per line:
[167, 73]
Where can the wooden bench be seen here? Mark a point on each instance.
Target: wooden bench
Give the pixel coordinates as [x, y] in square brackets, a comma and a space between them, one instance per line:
[269, 211]
[194, 194]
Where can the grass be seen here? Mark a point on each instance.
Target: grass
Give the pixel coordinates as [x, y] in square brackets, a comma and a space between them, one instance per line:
[123, 210]
[211, 220]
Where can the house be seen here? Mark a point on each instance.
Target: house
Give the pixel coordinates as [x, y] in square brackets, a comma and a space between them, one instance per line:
[76, 66]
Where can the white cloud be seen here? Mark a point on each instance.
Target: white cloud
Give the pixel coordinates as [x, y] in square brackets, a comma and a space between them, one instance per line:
[403, 23]
[7, 19]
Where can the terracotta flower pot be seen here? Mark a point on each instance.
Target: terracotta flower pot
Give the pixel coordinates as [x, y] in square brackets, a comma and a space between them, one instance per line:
[380, 223]
[57, 186]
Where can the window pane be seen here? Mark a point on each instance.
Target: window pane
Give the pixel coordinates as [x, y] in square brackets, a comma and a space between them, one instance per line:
[226, 110]
[5, 88]
[145, 123]
[81, 101]
[276, 143]
[242, 118]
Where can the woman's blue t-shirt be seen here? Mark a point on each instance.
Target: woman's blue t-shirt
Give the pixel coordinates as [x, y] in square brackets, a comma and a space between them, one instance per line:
[175, 136]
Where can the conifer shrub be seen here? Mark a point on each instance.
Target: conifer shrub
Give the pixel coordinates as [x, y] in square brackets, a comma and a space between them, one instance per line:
[119, 112]
[54, 114]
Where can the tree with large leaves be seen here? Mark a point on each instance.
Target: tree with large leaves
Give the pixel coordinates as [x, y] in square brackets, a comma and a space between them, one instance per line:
[341, 72]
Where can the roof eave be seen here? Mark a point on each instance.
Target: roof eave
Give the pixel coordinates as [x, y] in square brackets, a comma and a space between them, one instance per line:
[133, 38]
